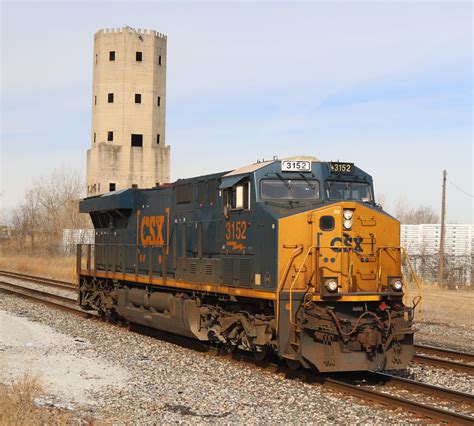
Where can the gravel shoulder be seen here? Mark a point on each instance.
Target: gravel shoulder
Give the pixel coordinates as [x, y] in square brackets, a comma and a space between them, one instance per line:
[126, 377]
[445, 336]
[38, 350]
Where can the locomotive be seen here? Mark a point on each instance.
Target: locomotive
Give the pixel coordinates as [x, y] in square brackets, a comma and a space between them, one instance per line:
[291, 257]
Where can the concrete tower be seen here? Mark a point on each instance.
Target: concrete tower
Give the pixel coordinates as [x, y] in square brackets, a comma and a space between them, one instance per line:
[128, 144]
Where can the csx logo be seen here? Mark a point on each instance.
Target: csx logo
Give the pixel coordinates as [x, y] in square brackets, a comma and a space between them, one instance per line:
[152, 230]
[355, 243]
[347, 242]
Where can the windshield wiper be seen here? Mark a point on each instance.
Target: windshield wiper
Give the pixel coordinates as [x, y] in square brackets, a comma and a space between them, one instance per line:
[307, 181]
[286, 182]
[274, 203]
[293, 203]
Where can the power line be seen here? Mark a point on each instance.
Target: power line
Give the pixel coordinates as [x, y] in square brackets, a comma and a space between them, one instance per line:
[460, 189]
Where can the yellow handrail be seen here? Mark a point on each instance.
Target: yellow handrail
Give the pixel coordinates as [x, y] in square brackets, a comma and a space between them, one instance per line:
[294, 282]
[417, 282]
[293, 255]
[381, 250]
[316, 248]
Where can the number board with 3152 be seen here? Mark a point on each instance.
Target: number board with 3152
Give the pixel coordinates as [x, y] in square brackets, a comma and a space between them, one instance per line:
[342, 168]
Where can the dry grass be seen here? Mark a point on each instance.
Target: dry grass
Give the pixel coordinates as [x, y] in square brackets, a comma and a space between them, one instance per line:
[18, 407]
[58, 267]
[444, 306]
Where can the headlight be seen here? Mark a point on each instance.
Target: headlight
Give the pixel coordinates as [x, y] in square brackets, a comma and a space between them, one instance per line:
[397, 285]
[348, 214]
[331, 286]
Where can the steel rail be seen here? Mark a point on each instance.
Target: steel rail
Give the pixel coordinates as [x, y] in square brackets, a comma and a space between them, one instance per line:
[432, 390]
[40, 280]
[446, 353]
[444, 363]
[40, 293]
[408, 404]
[59, 302]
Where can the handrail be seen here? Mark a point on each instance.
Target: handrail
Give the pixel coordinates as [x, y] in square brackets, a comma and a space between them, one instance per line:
[315, 272]
[293, 255]
[112, 262]
[350, 267]
[128, 245]
[294, 282]
[415, 278]
[380, 250]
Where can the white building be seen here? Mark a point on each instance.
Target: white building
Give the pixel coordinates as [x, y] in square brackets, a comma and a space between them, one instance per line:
[72, 237]
[422, 244]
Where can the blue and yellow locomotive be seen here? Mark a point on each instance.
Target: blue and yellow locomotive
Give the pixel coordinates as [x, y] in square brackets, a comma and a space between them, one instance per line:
[286, 256]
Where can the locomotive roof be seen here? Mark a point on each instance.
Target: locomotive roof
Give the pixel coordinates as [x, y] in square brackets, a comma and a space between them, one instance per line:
[249, 169]
[257, 166]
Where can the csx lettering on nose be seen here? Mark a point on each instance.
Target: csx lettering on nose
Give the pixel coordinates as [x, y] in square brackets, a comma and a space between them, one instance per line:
[347, 242]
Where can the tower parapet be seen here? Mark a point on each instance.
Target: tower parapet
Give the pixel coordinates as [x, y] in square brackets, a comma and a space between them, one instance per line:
[128, 140]
[130, 30]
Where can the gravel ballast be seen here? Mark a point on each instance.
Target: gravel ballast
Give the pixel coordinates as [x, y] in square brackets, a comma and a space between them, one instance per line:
[141, 379]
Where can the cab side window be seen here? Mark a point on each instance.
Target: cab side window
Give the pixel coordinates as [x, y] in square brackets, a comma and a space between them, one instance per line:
[237, 197]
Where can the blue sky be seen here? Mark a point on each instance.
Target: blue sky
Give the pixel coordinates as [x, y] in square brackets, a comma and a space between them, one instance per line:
[387, 85]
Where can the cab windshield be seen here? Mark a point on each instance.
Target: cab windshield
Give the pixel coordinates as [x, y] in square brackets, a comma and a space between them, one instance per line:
[287, 189]
[349, 191]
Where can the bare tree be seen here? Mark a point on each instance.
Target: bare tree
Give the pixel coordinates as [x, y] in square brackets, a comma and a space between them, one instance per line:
[51, 205]
[406, 213]
[418, 215]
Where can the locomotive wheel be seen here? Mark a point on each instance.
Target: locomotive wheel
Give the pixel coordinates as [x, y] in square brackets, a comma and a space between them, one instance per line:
[293, 364]
[229, 348]
[261, 355]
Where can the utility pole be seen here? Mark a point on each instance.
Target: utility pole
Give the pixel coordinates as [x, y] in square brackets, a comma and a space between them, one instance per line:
[441, 240]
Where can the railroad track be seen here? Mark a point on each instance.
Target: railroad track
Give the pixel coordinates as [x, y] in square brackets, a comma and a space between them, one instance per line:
[366, 391]
[57, 301]
[49, 282]
[446, 358]
[418, 408]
